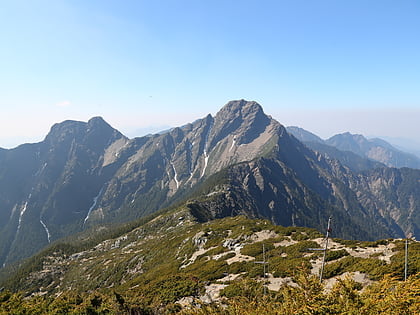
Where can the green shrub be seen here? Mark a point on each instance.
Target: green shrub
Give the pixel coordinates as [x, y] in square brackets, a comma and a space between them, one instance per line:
[374, 243]
[347, 243]
[239, 267]
[397, 265]
[335, 254]
[299, 236]
[351, 264]
[256, 249]
[208, 269]
[173, 288]
[277, 239]
[245, 287]
[339, 267]
[287, 267]
[227, 256]
[299, 249]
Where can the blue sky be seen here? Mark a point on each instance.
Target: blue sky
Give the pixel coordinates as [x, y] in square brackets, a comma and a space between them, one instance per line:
[327, 66]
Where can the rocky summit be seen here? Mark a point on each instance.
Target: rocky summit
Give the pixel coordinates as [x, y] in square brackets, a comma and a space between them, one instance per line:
[86, 176]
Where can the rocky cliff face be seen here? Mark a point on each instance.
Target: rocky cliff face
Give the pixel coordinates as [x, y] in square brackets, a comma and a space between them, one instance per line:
[160, 169]
[241, 160]
[391, 194]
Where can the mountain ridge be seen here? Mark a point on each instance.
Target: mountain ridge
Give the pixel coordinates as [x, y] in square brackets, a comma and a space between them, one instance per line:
[85, 175]
[374, 149]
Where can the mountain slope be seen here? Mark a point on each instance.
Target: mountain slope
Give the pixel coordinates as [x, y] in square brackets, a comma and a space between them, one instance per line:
[304, 135]
[172, 257]
[46, 188]
[87, 175]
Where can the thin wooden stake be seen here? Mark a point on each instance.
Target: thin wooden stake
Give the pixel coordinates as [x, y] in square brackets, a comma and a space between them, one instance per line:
[325, 249]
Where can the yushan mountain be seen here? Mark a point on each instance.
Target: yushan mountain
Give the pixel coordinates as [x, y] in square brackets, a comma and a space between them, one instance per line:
[240, 161]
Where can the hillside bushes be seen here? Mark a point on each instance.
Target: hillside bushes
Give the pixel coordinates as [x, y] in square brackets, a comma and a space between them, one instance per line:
[388, 296]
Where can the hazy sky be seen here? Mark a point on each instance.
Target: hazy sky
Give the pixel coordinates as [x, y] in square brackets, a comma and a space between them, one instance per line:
[326, 66]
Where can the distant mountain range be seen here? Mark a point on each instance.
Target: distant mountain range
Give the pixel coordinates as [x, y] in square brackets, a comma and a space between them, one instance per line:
[241, 161]
[374, 149]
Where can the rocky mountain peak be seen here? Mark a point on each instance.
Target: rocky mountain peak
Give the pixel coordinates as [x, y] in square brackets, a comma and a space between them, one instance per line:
[64, 130]
[350, 142]
[241, 108]
[99, 129]
[96, 129]
[244, 119]
[97, 122]
[349, 137]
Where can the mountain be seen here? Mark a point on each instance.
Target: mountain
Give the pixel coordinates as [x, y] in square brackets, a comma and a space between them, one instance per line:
[375, 149]
[46, 187]
[86, 176]
[304, 135]
[354, 161]
[370, 149]
[405, 144]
